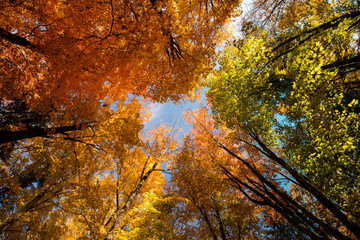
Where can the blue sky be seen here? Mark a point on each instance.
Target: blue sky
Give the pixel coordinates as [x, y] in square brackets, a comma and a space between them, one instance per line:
[171, 115]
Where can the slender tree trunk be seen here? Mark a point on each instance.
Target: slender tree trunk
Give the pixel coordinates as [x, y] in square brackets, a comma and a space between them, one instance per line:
[120, 213]
[291, 209]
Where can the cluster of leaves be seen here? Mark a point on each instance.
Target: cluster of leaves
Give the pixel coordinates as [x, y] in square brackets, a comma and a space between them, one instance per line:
[276, 157]
[62, 57]
[291, 84]
[74, 161]
[218, 211]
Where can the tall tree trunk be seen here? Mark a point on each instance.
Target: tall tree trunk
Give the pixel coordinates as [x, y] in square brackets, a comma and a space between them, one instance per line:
[120, 213]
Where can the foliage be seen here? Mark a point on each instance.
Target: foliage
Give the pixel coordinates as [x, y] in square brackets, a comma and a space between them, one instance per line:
[74, 163]
[212, 208]
[277, 157]
[297, 99]
[153, 219]
[85, 51]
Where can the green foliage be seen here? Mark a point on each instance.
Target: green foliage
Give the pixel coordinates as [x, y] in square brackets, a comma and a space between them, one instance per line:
[298, 105]
[239, 91]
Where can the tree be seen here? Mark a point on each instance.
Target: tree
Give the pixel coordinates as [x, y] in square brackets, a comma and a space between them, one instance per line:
[295, 99]
[211, 207]
[71, 74]
[86, 189]
[38, 173]
[153, 219]
[64, 58]
[158, 148]
[61, 61]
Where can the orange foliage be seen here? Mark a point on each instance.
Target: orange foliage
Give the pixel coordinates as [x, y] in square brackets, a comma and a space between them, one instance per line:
[70, 55]
[220, 209]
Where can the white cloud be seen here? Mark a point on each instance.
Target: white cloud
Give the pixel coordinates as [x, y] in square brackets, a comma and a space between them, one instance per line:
[156, 111]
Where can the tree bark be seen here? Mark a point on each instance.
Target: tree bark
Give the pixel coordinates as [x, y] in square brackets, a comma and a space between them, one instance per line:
[11, 136]
[20, 41]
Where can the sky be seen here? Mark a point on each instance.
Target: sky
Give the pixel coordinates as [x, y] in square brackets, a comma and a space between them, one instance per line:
[171, 115]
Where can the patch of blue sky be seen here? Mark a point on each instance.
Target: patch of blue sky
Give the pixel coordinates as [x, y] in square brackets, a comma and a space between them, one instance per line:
[170, 114]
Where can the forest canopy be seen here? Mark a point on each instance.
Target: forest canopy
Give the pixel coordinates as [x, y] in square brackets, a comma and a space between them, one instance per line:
[273, 151]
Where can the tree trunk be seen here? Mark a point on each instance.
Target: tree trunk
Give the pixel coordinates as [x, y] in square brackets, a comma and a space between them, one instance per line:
[11, 136]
